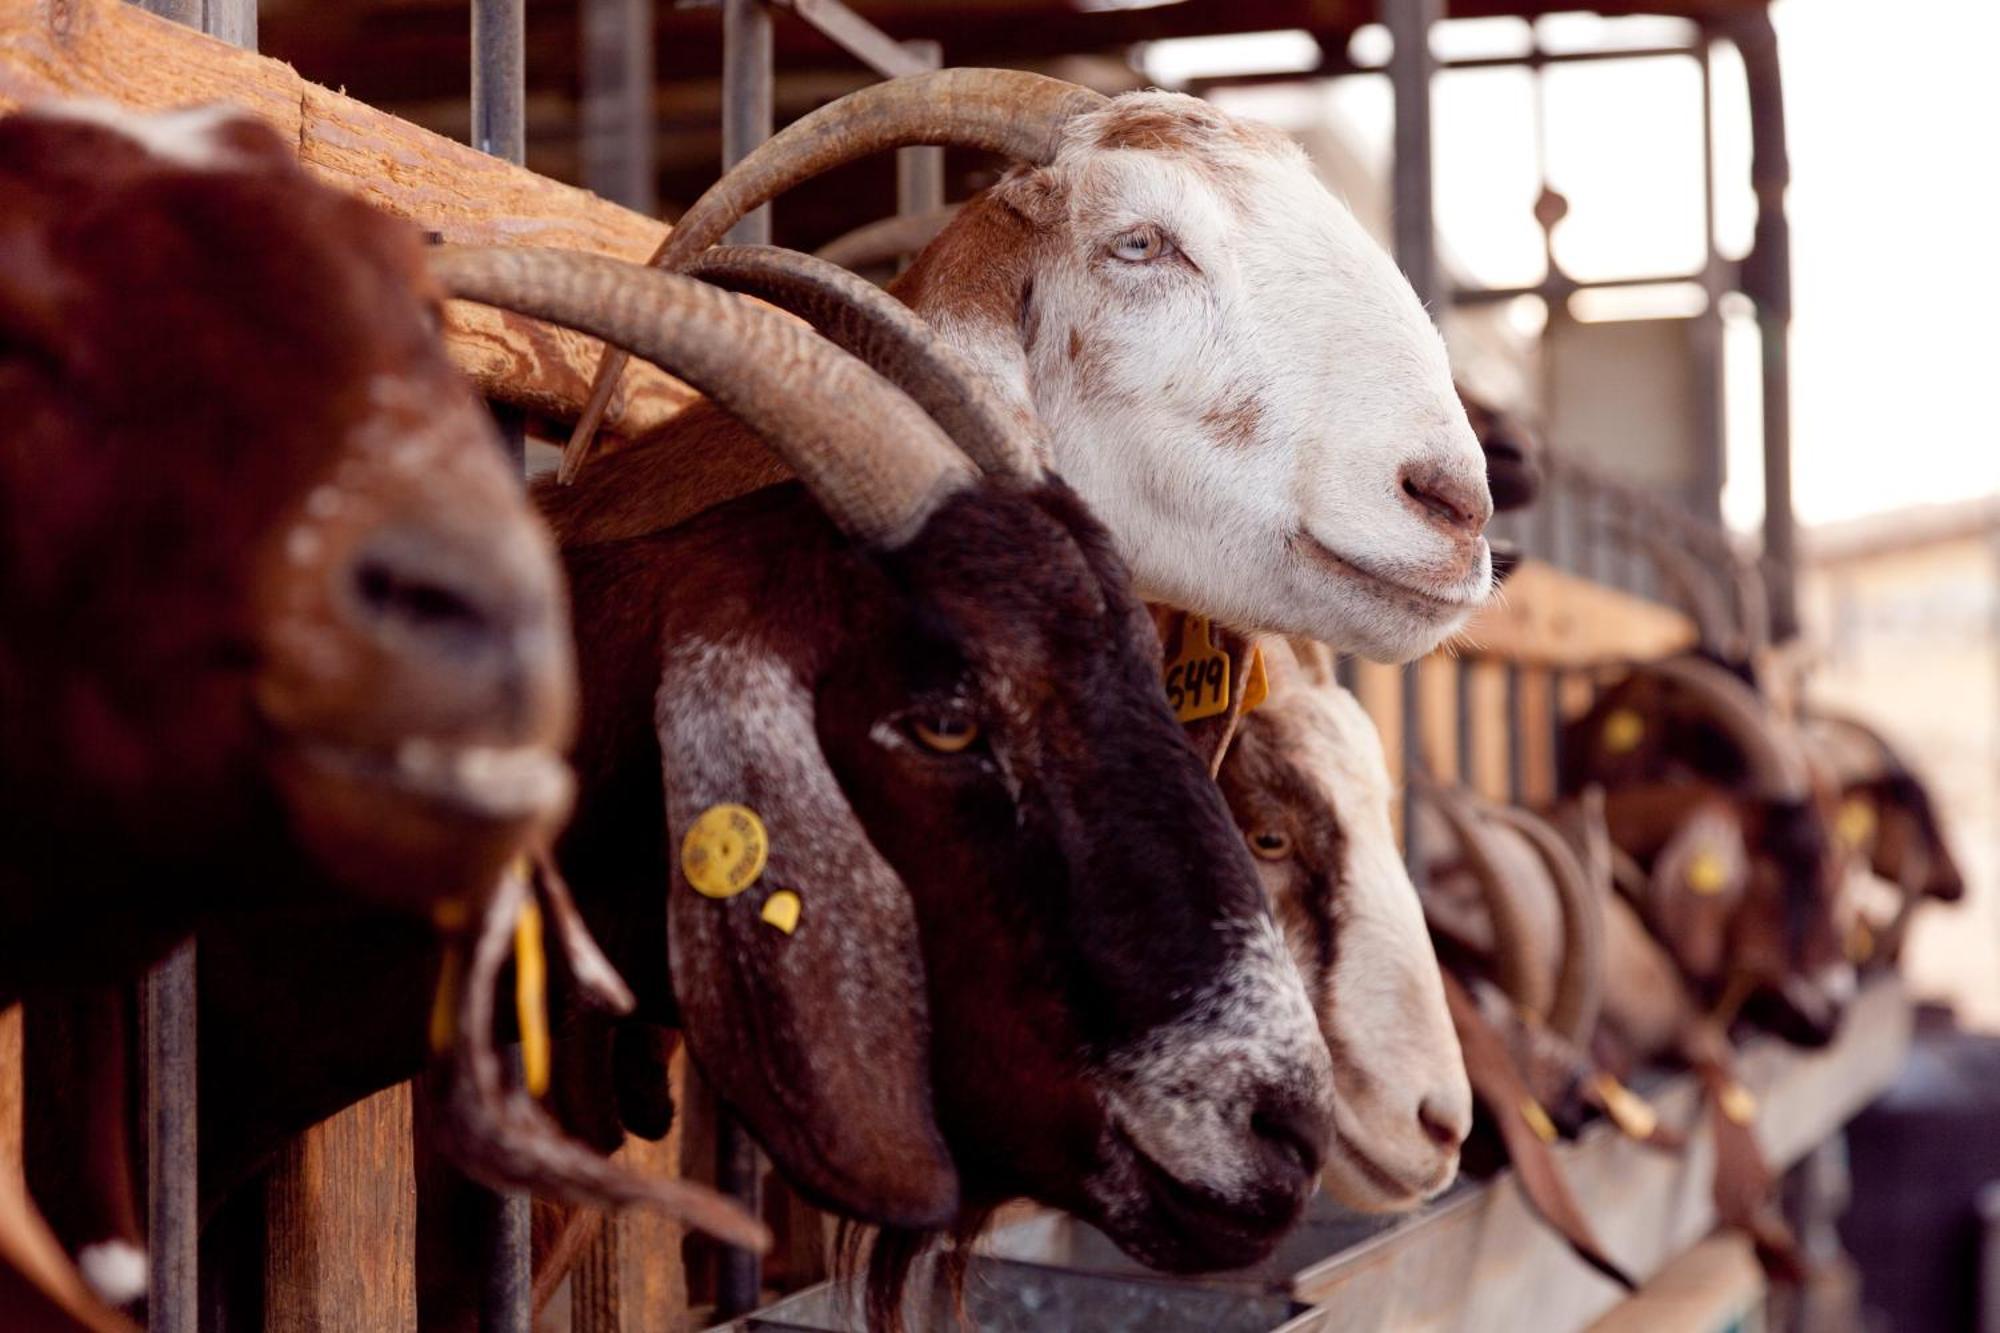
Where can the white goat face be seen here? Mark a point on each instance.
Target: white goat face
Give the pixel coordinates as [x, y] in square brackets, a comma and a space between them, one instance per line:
[1307, 784]
[1240, 382]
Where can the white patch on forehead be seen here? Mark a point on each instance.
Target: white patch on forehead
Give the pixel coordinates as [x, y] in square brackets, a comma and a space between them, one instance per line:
[186, 137]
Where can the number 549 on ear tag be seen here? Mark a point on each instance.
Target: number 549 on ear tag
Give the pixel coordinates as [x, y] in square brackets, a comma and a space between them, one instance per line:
[1198, 677]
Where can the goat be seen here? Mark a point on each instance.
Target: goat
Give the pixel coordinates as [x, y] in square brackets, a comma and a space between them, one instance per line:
[282, 636]
[993, 864]
[1308, 786]
[1229, 370]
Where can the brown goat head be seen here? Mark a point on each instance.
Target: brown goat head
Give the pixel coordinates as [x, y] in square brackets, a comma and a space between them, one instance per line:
[276, 613]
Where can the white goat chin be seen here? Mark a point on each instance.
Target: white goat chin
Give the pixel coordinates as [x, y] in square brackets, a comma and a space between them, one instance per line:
[1239, 381]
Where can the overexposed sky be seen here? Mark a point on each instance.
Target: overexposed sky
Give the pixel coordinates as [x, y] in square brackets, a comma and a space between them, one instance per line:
[1894, 121]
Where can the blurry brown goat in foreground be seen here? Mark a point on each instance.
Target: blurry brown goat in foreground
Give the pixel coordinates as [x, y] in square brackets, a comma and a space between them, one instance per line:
[283, 640]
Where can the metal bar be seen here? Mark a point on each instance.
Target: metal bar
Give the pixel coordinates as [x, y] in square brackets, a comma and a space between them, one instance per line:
[1517, 762]
[234, 21]
[499, 38]
[1461, 706]
[739, 1274]
[920, 171]
[746, 100]
[1338, 66]
[859, 38]
[173, 1216]
[187, 13]
[1410, 70]
[1556, 677]
[1557, 287]
[1767, 280]
[616, 111]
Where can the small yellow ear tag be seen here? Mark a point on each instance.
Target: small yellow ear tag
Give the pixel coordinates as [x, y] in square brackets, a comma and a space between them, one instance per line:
[444, 1003]
[1738, 1103]
[781, 909]
[724, 851]
[1860, 942]
[531, 999]
[1538, 1120]
[1198, 679]
[1628, 1110]
[1706, 874]
[1856, 823]
[1623, 731]
[1258, 688]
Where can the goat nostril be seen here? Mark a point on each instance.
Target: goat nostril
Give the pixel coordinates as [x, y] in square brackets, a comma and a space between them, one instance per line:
[1444, 1128]
[1445, 501]
[387, 592]
[1290, 1134]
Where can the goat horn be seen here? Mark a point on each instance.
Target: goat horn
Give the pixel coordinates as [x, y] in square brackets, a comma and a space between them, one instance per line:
[876, 463]
[887, 240]
[869, 323]
[1777, 769]
[1516, 967]
[1694, 587]
[1011, 112]
[1580, 981]
[1753, 603]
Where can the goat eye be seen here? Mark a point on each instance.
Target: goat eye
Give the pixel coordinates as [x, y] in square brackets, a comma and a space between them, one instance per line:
[1271, 845]
[1141, 245]
[947, 734]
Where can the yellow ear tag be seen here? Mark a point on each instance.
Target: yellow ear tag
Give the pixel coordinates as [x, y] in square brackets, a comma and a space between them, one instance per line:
[724, 851]
[1860, 942]
[1738, 1103]
[1198, 679]
[1856, 823]
[1628, 1110]
[781, 909]
[444, 1003]
[1258, 688]
[1706, 874]
[531, 999]
[1538, 1120]
[1623, 731]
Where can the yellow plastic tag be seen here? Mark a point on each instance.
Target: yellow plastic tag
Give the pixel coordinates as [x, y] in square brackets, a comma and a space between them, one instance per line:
[1856, 823]
[1627, 1109]
[1198, 679]
[444, 1003]
[1738, 1103]
[1860, 942]
[1706, 873]
[724, 850]
[1623, 731]
[781, 909]
[1258, 688]
[531, 996]
[1538, 1120]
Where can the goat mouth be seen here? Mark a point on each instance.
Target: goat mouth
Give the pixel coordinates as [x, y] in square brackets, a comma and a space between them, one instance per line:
[1416, 600]
[1208, 1232]
[1394, 1189]
[500, 784]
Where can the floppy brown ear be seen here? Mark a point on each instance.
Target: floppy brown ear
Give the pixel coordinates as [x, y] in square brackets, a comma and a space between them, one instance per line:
[817, 1035]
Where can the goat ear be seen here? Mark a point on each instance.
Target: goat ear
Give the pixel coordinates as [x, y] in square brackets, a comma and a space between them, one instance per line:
[801, 989]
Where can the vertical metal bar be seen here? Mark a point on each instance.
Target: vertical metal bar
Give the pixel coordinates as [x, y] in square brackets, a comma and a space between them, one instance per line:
[173, 1219]
[1410, 69]
[185, 12]
[1461, 707]
[740, 1272]
[1517, 762]
[1556, 678]
[1767, 280]
[920, 171]
[499, 35]
[1705, 333]
[746, 99]
[617, 102]
[234, 21]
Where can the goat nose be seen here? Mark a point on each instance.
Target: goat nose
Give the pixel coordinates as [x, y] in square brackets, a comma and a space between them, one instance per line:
[1445, 1123]
[1291, 1134]
[1457, 505]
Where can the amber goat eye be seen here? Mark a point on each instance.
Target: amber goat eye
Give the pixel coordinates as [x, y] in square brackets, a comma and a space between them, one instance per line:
[1141, 245]
[1270, 844]
[948, 734]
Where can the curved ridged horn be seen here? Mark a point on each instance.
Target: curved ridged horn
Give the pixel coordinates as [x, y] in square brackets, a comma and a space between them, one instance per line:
[887, 240]
[869, 323]
[1753, 606]
[1580, 980]
[1520, 972]
[877, 464]
[1011, 112]
[1777, 768]
[1695, 587]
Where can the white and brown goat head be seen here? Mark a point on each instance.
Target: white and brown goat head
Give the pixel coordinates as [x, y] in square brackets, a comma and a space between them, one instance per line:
[1005, 939]
[1229, 370]
[274, 611]
[1306, 781]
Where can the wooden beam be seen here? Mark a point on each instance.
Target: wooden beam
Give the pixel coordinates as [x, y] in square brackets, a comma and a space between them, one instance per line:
[1545, 617]
[104, 48]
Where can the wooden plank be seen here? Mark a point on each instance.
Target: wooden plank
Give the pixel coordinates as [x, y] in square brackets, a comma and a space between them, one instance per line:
[1713, 1286]
[340, 1213]
[107, 49]
[1547, 617]
[10, 1099]
[1480, 1260]
[631, 1279]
